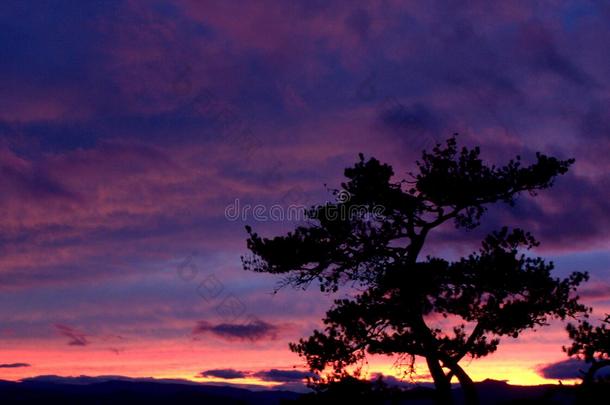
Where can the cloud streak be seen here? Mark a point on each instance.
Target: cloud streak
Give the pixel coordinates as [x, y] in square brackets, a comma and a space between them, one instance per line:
[224, 373]
[254, 330]
[15, 365]
[283, 375]
[271, 375]
[76, 338]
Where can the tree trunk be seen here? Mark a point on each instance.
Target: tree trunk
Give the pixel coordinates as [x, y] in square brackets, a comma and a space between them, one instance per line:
[589, 377]
[471, 397]
[441, 383]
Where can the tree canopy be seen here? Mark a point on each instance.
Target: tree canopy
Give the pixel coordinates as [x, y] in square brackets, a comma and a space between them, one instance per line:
[396, 295]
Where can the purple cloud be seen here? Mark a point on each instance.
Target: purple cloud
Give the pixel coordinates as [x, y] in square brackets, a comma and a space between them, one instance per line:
[283, 375]
[274, 375]
[254, 330]
[225, 373]
[568, 369]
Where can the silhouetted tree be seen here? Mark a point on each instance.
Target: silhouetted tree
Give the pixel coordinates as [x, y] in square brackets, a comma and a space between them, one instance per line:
[497, 291]
[591, 344]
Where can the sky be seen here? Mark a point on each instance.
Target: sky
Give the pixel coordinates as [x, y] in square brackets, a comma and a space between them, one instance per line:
[131, 132]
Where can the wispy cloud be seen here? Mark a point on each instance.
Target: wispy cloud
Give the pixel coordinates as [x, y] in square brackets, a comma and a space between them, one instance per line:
[76, 337]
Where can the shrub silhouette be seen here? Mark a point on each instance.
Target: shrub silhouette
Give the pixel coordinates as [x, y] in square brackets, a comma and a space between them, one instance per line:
[591, 344]
[397, 294]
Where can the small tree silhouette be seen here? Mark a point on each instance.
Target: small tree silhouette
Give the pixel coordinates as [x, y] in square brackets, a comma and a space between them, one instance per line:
[591, 344]
[497, 291]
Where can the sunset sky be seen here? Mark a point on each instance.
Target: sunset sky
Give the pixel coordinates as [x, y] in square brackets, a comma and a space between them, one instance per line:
[131, 131]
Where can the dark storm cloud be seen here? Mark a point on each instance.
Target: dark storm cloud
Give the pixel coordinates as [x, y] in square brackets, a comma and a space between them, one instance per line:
[255, 330]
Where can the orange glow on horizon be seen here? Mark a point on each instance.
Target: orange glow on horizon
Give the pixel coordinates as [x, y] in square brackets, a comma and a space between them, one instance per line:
[515, 362]
[175, 362]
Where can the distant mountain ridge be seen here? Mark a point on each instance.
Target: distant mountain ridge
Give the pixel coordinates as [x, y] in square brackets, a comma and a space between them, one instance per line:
[50, 389]
[126, 390]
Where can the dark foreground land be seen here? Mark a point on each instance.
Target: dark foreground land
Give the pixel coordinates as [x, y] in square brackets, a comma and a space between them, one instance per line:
[93, 391]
